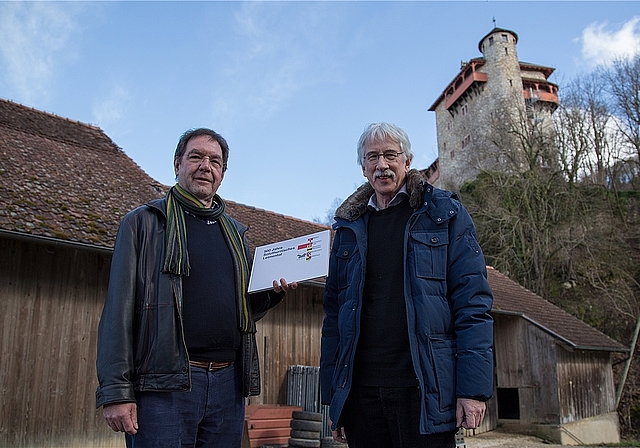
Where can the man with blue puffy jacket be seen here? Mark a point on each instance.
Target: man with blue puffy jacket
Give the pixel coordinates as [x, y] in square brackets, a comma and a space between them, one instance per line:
[407, 335]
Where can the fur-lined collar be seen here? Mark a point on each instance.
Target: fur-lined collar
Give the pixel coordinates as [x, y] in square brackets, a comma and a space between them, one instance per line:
[356, 204]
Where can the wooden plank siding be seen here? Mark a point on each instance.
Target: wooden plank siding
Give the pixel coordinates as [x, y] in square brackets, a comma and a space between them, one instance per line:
[288, 335]
[540, 404]
[525, 359]
[50, 303]
[587, 387]
[510, 352]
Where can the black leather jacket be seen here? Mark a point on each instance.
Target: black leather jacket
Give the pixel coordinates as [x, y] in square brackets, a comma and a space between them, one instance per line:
[141, 343]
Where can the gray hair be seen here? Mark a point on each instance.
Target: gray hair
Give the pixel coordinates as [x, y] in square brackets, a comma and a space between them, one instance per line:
[382, 131]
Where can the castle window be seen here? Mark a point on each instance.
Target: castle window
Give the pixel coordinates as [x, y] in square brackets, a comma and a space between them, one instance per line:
[504, 38]
[452, 154]
[465, 141]
[491, 40]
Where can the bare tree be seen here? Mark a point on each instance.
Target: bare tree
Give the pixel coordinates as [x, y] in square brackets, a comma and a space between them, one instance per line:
[622, 81]
[329, 213]
[520, 205]
[583, 133]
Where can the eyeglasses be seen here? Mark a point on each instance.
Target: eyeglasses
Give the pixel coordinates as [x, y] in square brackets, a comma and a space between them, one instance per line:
[389, 156]
[197, 159]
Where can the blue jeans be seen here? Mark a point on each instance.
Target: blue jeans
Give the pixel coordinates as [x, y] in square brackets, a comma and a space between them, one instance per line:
[210, 415]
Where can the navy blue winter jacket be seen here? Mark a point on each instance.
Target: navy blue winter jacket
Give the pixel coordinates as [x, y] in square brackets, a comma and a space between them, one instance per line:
[447, 297]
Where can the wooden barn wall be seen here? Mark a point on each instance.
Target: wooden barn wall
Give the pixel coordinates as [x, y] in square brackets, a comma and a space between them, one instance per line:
[50, 303]
[542, 362]
[510, 352]
[288, 335]
[587, 387]
[525, 359]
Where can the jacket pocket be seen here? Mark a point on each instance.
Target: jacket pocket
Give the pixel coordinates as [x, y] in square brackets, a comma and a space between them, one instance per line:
[346, 259]
[430, 253]
[443, 353]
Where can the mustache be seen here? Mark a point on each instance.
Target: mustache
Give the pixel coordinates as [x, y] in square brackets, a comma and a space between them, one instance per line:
[384, 173]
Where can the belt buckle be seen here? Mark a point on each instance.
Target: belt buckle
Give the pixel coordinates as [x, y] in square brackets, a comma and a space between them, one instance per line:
[218, 365]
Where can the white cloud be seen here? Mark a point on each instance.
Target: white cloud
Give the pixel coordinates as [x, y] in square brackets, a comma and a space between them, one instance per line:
[33, 37]
[600, 46]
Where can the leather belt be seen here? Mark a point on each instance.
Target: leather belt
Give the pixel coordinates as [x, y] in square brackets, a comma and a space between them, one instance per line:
[211, 366]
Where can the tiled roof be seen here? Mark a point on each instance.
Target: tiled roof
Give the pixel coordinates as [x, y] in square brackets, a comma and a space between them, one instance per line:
[509, 297]
[267, 227]
[67, 180]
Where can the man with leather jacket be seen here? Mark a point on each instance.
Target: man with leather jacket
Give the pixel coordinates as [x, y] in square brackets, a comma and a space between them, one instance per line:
[407, 336]
[176, 340]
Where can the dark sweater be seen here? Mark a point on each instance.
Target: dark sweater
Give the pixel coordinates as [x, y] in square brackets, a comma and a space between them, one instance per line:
[382, 356]
[209, 306]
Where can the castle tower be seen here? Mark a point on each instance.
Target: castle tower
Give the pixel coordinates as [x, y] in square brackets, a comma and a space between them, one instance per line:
[492, 90]
[501, 61]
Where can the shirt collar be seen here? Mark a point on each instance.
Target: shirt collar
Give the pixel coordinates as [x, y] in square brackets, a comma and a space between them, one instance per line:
[398, 198]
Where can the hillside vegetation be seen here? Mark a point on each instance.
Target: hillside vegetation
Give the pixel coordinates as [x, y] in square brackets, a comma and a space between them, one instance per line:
[562, 216]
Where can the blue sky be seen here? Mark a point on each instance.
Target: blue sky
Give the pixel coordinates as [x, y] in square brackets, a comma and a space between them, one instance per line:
[290, 85]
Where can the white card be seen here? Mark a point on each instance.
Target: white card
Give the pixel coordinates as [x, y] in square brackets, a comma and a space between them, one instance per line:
[295, 260]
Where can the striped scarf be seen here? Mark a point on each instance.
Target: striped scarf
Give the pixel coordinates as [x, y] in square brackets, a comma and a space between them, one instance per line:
[176, 259]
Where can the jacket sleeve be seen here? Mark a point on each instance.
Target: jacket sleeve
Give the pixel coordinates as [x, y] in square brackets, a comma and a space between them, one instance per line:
[471, 300]
[114, 363]
[330, 334]
[261, 302]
